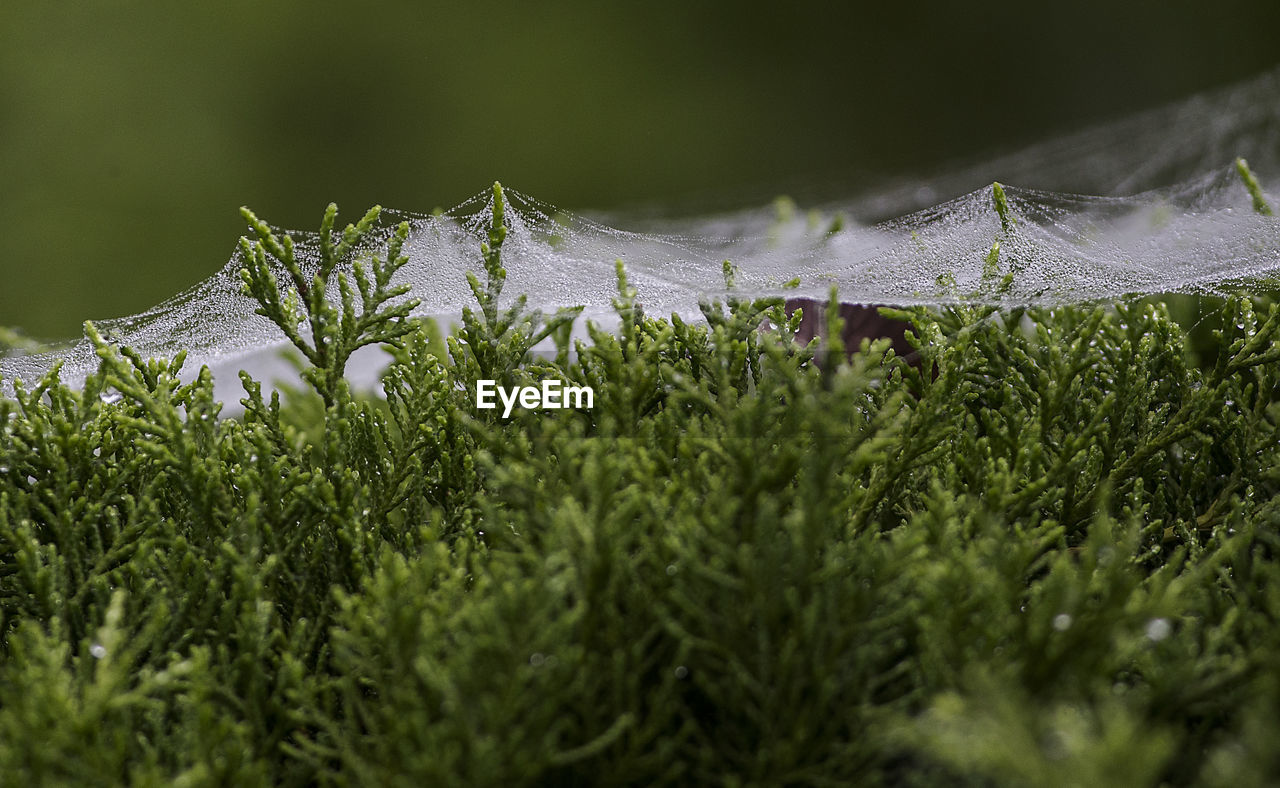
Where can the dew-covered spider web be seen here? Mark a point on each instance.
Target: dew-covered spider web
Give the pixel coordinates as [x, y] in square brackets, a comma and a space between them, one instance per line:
[1155, 203]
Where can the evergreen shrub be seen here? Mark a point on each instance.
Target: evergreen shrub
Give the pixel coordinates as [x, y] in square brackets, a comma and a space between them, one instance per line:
[1040, 551]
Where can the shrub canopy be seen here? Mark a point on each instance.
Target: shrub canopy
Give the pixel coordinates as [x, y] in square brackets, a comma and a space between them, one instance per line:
[1040, 550]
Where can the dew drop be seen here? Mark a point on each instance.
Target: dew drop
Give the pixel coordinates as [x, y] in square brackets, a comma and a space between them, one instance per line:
[682, 672]
[1062, 622]
[97, 651]
[1158, 629]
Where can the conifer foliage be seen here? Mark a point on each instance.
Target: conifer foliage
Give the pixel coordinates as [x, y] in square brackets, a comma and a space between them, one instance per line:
[1043, 552]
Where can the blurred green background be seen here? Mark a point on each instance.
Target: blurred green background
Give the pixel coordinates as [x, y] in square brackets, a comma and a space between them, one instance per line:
[130, 132]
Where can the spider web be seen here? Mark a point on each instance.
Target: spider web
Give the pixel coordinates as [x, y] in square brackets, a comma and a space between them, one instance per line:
[1149, 204]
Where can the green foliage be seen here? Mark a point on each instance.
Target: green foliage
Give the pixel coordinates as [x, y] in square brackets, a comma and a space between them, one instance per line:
[496, 344]
[11, 339]
[335, 331]
[1042, 552]
[1260, 204]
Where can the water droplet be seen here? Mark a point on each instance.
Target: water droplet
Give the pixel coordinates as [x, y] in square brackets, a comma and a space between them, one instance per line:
[1062, 622]
[97, 651]
[110, 396]
[537, 659]
[671, 569]
[1158, 629]
[682, 672]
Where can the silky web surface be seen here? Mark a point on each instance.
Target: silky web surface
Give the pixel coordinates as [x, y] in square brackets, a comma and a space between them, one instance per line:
[1154, 203]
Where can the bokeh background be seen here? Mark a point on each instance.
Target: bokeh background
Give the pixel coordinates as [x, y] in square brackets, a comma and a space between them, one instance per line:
[131, 131]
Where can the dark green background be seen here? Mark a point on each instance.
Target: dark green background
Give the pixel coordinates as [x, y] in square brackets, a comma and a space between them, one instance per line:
[130, 132]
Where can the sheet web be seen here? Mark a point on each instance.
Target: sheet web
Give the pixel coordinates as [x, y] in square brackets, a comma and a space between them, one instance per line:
[1168, 212]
